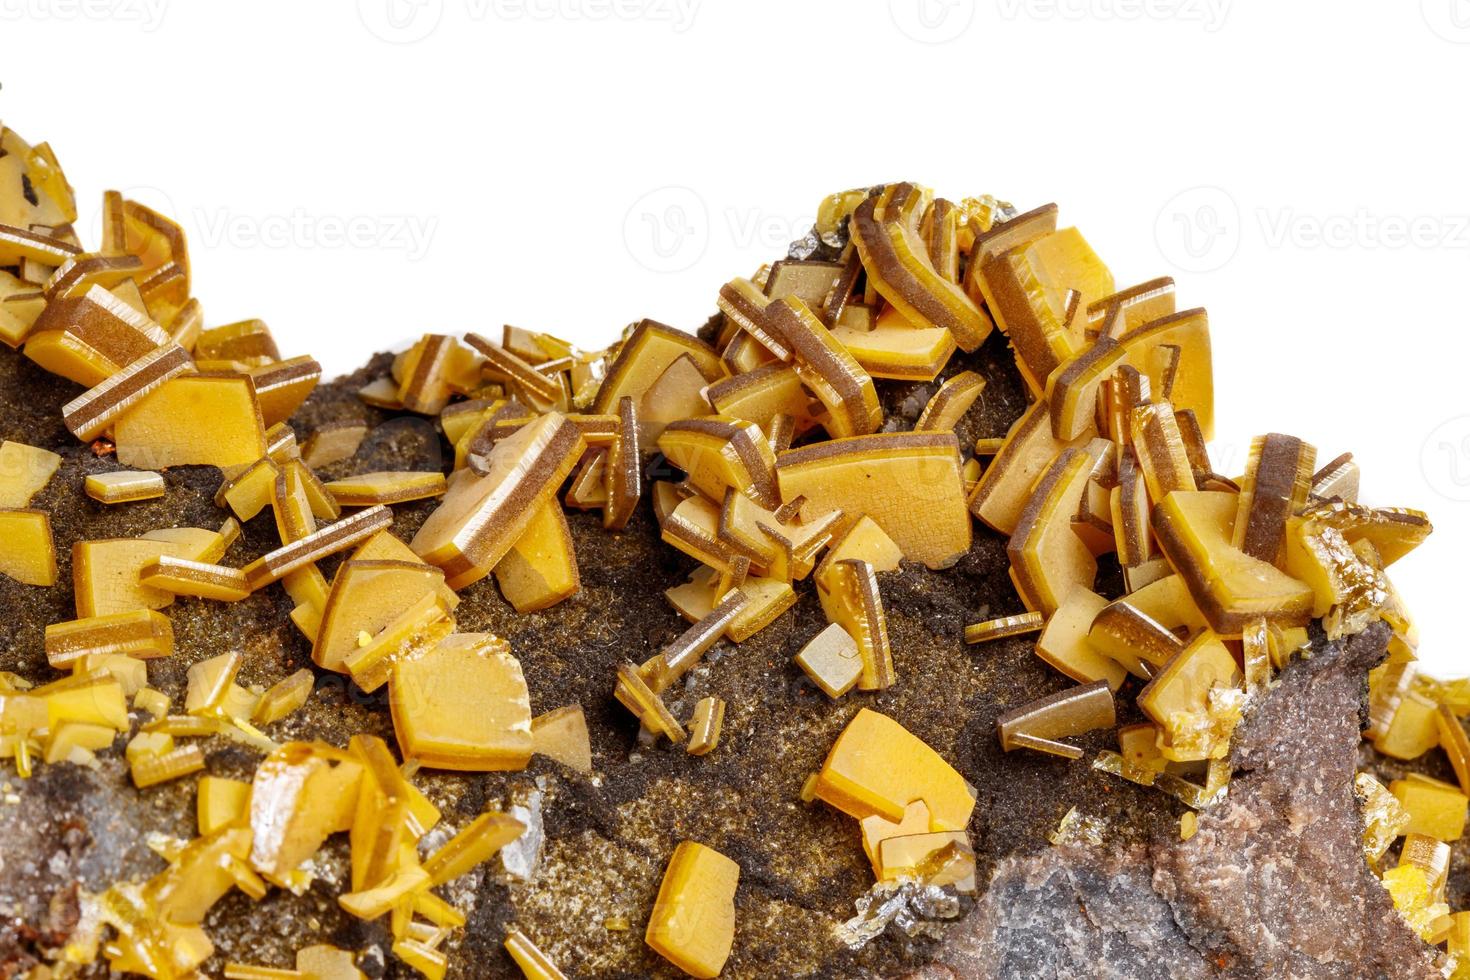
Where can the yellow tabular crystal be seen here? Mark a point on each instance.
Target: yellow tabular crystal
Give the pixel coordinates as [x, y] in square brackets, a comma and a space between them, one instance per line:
[300, 796]
[194, 578]
[1412, 731]
[1435, 808]
[1071, 711]
[856, 604]
[950, 403]
[20, 304]
[875, 829]
[1455, 743]
[760, 395]
[693, 920]
[540, 569]
[209, 683]
[247, 341]
[878, 767]
[221, 802]
[334, 443]
[131, 674]
[831, 660]
[1384, 820]
[635, 695]
[463, 705]
[886, 233]
[322, 543]
[282, 387]
[535, 964]
[193, 420]
[909, 483]
[1063, 643]
[89, 338]
[1029, 289]
[247, 971]
[89, 415]
[24, 472]
[1026, 453]
[644, 357]
[248, 492]
[1413, 899]
[369, 595]
[367, 489]
[943, 858]
[1229, 586]
[284, 697]
[155, 703]
[420, 627]
[709, 717]
[433, 963]
[481, 517]
[824, 365]
[1178, 699]
[1048, 559]
[1004, 627]
[327, 963]
[479, 841]
[561, 734]
[719, 452]
[125, 486]
[72, 740]
[105, 574]
[1134, 639]
[150, 770]
[27, 551]
[1188, 825]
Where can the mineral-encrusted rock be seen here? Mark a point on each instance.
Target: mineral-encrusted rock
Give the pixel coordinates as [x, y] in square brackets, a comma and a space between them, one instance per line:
[1273, 883]
[607, 835]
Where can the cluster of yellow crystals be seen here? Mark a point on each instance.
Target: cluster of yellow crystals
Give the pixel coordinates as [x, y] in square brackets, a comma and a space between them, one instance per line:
[912, 807]
[264, 833]
[1222, 574]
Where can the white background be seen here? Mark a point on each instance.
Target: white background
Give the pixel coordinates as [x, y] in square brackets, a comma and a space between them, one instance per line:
[357, 173]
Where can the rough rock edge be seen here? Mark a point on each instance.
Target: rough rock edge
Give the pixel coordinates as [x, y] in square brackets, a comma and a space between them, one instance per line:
[1266, 887]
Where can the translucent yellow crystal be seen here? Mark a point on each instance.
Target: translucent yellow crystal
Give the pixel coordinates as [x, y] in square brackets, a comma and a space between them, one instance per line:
[693, 920]
[878, 767]
[463, 705]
